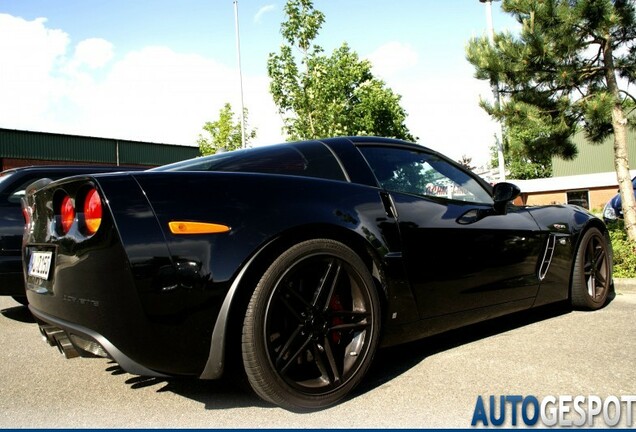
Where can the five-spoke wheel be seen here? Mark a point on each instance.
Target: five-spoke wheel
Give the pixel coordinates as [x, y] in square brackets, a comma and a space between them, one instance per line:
[311, 327]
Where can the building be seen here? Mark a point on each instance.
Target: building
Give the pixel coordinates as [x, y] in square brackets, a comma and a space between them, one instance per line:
[591, 191]
[589, 180]
[23, 148]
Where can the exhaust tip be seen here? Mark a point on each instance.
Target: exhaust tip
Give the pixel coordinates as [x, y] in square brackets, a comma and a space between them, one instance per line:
[66, 347]
[56, 337]
[50, 334]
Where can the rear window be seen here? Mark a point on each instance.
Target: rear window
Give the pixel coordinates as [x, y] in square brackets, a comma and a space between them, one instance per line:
[308, 159]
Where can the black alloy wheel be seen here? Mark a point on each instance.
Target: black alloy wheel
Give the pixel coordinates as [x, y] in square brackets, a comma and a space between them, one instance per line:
[592, 275]
[312, 326]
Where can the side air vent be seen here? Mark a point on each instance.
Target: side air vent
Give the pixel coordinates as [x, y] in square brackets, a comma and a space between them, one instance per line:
[547, 257]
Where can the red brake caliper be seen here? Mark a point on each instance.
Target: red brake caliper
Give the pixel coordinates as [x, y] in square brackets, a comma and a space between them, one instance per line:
[334, 306]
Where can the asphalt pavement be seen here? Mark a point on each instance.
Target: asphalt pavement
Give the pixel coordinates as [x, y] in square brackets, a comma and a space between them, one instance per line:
[428, 384]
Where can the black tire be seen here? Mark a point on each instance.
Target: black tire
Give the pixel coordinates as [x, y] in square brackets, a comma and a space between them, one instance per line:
[592, 273]
[21, 299]
[312, 326]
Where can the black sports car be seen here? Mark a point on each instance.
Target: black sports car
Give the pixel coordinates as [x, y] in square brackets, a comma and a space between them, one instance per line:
[13, 183]
[300, 258]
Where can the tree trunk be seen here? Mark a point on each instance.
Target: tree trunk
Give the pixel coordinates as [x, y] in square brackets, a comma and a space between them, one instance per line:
[621, 156]
[621, 164]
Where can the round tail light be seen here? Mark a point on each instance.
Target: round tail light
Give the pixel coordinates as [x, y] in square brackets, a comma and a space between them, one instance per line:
[67, 213]
[92, 211]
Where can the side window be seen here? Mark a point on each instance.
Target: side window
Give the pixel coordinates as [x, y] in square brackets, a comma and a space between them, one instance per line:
[424, 174]
[308, 159]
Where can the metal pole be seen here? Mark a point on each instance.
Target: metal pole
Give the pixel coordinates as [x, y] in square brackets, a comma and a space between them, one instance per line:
[495, 91]
[238, 56]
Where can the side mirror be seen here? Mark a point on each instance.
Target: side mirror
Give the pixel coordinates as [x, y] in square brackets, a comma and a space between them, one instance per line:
[502, 194]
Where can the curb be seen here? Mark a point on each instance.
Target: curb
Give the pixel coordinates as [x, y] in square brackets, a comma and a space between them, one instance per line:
[625, 285]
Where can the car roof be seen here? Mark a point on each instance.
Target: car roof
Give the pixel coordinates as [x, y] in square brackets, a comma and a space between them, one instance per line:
[68, 168]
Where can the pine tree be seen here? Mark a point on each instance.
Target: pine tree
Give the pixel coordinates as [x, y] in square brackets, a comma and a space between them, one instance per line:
[568, 69]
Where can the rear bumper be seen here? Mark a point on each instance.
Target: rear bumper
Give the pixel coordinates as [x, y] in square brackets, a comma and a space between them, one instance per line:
[74, 340]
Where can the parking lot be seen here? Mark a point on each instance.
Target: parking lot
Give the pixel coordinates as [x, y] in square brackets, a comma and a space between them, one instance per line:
[428, 384]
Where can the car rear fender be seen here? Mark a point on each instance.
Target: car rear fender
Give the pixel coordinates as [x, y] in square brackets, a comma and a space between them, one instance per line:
[386, 269]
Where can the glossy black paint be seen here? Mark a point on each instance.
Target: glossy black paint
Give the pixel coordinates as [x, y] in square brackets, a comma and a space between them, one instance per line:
[159, 297]
[13, 182]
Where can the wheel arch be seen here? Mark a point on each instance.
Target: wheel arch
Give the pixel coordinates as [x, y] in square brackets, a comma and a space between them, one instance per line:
[226, 335]
[600, 225]
[591, 223]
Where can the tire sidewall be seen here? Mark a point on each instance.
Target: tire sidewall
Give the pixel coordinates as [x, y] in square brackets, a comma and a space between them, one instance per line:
[266, 382]
[579, 295]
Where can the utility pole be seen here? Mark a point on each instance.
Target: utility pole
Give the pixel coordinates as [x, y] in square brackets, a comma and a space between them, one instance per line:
[499, 135]
[238, 56]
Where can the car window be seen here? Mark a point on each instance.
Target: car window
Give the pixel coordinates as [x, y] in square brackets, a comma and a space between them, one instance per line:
[309, 159]
[424, 174]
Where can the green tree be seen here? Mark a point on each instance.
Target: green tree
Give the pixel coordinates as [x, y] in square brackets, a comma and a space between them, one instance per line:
[319, 95]
[224, 133]
[520, 164]
[568, 68]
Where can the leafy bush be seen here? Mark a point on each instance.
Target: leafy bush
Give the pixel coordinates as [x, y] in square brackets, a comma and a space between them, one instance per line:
[624, 251]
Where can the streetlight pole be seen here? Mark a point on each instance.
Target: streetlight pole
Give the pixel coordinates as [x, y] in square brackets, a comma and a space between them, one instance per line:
[495, 91]
[238, 56]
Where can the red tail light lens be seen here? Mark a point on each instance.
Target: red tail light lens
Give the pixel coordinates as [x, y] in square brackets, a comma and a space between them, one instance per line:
[27, 215]
[67, 213]
[92, 211]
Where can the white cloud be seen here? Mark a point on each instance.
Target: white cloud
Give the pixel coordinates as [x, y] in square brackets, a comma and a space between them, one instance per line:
[262, 11]
[392, 58]
[443, 107]
[157, 94]
[444, 113]
[94, 53]
[29, 53]
[153, 94]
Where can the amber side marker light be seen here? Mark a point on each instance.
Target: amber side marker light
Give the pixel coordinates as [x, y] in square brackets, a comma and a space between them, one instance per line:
[184, 227]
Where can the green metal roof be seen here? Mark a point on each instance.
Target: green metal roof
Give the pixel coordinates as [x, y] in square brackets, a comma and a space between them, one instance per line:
[593, 158]
[58, 147]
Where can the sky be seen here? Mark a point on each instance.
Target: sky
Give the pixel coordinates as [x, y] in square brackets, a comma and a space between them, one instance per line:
[158, 70]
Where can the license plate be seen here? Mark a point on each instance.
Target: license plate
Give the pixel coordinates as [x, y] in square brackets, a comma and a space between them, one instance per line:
[40, 264]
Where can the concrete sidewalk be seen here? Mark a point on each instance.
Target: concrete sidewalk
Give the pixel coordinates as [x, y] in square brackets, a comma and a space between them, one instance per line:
[623, 285]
